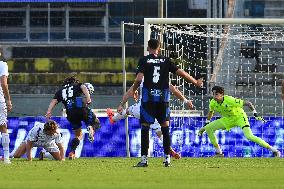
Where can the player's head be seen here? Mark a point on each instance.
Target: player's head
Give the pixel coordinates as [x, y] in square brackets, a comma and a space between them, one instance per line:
[90, 87]
[70, 80]
[218, 93]
[153, 44]
[50, 127]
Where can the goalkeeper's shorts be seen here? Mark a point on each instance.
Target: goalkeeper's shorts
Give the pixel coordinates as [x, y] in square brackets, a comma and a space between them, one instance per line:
[230, 122]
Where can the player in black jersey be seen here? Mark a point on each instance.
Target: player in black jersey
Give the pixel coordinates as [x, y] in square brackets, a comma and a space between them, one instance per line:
[77, 110]
[155, 96]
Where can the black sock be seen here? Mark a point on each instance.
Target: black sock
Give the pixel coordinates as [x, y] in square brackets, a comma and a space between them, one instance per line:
[166, 140]
[144, 140]
[74, 143]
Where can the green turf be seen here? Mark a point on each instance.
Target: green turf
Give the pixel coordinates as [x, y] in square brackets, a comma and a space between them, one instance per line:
[118, 173]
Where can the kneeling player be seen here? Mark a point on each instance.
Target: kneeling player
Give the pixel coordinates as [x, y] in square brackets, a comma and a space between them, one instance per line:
[46, 136]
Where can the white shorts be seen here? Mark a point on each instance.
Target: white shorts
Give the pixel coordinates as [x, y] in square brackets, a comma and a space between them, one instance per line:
[49, 147]
[134, 110]
[3, 113]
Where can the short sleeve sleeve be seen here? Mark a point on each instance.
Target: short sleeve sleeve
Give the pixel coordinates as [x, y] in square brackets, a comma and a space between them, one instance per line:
[3, 69]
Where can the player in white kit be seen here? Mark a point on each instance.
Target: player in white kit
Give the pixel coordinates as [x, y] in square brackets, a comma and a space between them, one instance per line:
[5, 106]
[134, 110]
[45, 135]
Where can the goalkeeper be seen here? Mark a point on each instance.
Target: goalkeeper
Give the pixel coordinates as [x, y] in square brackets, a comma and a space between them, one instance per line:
[232, 115]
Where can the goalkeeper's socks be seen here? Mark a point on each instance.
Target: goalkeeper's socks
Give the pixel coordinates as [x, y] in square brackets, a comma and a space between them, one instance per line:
[218, 149]
[272, 149]
[118, 116]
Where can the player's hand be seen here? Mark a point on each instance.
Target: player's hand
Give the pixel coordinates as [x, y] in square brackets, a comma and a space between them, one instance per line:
[48, 114]
[136, 96]
[9, 105]
[120, 109]
[190, 105]
[259, 118]
[199, 82]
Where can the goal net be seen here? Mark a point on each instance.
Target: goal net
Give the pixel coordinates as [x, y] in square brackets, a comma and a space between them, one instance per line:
[245, 56]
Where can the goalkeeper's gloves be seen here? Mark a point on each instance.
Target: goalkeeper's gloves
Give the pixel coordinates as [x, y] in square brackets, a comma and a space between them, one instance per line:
[257, 117]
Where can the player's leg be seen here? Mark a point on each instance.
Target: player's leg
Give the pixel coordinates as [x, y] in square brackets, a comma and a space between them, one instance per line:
[53, 150]
[93, 124]
[3, 129]
[163, 117]
[21, 150]
[210, 129]
[116, 117]
[75, 142]
[146, 118]
[250, 136]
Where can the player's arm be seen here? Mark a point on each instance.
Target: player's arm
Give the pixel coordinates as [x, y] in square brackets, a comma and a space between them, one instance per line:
[180, 96]
[86, 93]
[130, 92]
[29, 147]
[252, 108]
[189, 78]
[50, 107]
[61, 150]
[4, 85]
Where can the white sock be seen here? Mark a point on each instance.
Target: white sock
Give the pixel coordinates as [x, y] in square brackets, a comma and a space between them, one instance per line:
[272, 149]
[168, 158]
[5, 144]
[218, 150]
[144, 159]
[118, 116]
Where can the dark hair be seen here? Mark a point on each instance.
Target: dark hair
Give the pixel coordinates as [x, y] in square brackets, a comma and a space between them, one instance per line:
[154, 44]
[70, 80]
[50, 126]
[218, 89]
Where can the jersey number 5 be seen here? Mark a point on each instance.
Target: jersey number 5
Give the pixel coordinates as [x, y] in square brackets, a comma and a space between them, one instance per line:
[156, 74]
[67, 93]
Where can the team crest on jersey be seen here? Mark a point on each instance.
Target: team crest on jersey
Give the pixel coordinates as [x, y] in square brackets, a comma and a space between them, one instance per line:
[155, 61]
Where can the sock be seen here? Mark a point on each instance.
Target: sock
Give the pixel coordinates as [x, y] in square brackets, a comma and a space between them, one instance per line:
[168, 158]
[5, 144]
[166, 140]
[118, 117]
[272, 149]
[218, 149]
[144, 159]
[74, 143]
[144, 140]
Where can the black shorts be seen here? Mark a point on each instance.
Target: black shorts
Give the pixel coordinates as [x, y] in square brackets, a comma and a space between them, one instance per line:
[76, 115]
[151, 110]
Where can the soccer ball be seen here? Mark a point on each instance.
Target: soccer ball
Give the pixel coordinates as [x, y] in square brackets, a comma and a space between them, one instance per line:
[90, 87]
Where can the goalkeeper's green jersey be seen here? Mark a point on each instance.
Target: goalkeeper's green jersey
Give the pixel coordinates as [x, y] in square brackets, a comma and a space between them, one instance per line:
[229, 107]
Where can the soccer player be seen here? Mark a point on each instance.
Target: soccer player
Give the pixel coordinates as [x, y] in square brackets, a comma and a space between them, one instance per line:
[155, 70]
[5, 105]
[77, 110]
[232, 115]
[134, 110]
[46, 136]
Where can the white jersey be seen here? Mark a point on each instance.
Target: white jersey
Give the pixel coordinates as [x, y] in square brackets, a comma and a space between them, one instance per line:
[134, 110]
[3, 72]
[40, 139]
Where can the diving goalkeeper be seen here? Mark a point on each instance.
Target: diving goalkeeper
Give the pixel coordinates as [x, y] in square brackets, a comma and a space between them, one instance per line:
[232, 115]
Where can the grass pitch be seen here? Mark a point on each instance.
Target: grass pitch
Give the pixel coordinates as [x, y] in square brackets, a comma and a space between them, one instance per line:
[116, 173]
